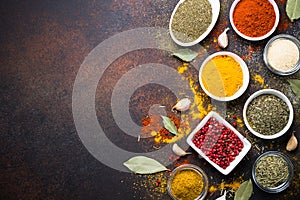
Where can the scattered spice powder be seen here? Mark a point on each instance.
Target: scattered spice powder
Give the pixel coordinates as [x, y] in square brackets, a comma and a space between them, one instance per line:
[191, 19]
[187, 185]
[222, 76]
[259, 79]
[254, 18]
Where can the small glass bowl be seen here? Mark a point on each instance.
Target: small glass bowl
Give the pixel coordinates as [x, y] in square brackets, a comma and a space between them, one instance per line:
[265, 54]
[284, 185]
[189, 167]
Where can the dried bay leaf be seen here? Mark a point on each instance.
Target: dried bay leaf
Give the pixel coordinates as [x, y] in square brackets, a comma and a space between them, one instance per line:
[186, 55]
[295, 86]
[293, 9]
[144, 165]
[245, 191]
[169, 125]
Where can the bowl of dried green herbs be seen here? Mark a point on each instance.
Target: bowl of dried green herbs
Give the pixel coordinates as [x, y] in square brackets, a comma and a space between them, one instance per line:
[268, 114]
[192, 20]
[272, 172]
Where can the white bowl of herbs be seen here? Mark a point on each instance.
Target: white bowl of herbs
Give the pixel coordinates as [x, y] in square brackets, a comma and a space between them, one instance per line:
[268, 114]
[192, 20]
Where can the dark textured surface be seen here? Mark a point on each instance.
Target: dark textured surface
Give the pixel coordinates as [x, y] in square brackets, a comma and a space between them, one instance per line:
[43, 44]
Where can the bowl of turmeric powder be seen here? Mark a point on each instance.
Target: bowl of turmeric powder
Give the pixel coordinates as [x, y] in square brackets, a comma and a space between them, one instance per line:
[224, 76]
[254, 20]
[187, 182]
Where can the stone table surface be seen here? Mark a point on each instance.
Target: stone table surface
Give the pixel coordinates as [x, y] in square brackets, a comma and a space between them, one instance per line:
[80, 78]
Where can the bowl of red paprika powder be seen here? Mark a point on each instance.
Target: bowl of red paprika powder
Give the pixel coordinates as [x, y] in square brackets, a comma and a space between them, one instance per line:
[254, 20]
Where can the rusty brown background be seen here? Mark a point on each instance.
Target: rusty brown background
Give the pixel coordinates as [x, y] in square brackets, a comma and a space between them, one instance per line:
[43, 43]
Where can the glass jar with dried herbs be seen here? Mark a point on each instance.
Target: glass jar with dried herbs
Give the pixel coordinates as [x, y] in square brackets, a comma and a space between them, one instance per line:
[272, 172]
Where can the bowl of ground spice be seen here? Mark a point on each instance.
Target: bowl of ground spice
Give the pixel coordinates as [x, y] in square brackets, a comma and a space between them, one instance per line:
[254, 20]
[192, 20]
[268, 114]
[187, 182]
[272, 172]
[224, 76]
[282, 54]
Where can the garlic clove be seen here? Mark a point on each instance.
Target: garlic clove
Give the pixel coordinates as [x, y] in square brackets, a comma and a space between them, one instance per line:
[223, 197]
[182, 105]
[292, 143]
[179, 151]
[223, 39]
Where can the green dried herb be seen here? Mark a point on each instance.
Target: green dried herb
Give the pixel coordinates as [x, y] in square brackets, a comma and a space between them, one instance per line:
[191, 19]
[295, 85]
[144, 165]
[245, 191]
[271, 171]
[267, 114]
[169, 125]
[186, 55]
[293, 9]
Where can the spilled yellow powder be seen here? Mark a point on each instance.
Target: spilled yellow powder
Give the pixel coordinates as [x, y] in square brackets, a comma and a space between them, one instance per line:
[155, 185]
[183, 68]
[228, 186]
[240, 122]
[198, 109]
[259, 79]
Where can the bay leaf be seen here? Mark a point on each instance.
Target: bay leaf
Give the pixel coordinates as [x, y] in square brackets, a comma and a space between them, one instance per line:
[169, 125]
[245, 191]
[186, 55]
[293, 9]
[295, 86]
[144, 165]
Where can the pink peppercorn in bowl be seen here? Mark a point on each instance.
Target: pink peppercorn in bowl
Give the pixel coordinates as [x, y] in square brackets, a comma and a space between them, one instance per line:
[248, 23]
[219, 143]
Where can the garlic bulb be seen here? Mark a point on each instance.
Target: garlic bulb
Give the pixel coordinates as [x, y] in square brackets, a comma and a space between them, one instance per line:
[292, 143]
[182, 105]
[179, 151]
[223, 39]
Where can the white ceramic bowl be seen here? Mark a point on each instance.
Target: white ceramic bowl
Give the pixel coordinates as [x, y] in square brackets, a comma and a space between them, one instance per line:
[245, 76]
[278, 94]
[215, 4]
[254, 38]
[238, 158]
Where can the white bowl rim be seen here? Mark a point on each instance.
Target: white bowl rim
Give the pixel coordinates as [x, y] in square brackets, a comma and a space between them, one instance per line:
[215, 4]
[241, 155]
[278, 94]
[245, 70]
[277, 14]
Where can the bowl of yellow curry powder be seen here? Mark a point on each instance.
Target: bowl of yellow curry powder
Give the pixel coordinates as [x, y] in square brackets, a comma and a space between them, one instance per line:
[224, 76]
[187, 182]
